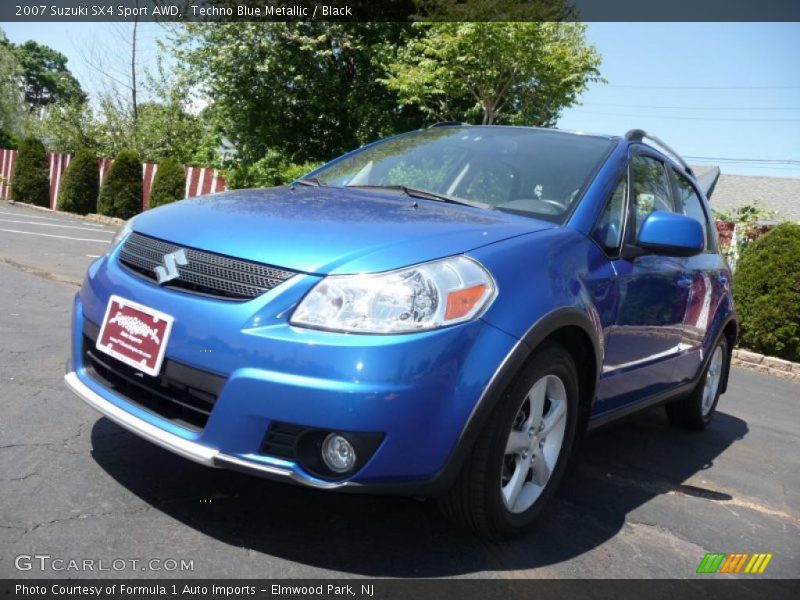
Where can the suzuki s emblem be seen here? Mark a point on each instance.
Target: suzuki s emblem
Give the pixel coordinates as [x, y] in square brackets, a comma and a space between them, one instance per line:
[169, 270]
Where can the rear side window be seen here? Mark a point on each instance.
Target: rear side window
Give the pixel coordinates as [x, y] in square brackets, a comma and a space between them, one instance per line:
[689, 204]
[651, 188]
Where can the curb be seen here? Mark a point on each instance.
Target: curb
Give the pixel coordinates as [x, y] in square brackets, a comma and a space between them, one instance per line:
[776, 367]
[91, 218]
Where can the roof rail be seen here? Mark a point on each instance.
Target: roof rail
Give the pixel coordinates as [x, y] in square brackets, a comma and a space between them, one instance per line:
[638, 135]
[447, 124]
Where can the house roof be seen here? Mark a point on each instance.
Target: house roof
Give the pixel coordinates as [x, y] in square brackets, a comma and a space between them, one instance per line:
[773, 193]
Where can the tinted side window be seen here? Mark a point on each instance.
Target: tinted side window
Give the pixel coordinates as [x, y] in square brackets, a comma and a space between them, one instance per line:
[689, 204]
[608, 231]
[651, 188]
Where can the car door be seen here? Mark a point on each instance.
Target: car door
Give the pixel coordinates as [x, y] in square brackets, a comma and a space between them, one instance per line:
[646, 338]
[709, 280]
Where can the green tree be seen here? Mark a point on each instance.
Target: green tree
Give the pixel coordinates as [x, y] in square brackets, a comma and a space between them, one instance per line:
[31, 181]
[271, 170]
[8, 140]
[69, 127]
[121, 192]
[308, 90]
[11, 101]
[81, 183]
[767, 293]
[46, 79]
[518, 73]
[169, 183]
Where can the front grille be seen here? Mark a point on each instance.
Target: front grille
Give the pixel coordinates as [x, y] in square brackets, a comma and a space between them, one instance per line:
[205, 272]
[180, 393]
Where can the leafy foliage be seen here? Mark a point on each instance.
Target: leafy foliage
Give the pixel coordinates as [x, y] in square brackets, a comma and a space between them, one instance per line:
[46, 79]
[31, 182]
[521, 73]
[8, 140]
[308, 90]
[70, 127]
[271, 170]
[747, 222]
[121, 192]
[11, 100]
[81, 183]
[169, 183]
[767, 293]
[161, 128]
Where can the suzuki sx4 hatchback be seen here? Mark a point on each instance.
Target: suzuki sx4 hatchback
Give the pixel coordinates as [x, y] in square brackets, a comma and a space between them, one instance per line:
[439, 314]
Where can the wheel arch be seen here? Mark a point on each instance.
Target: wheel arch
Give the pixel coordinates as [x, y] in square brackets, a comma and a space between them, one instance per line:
[570, 327]
[731, 332]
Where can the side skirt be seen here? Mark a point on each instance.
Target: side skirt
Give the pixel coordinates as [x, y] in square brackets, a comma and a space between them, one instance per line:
[631, 409]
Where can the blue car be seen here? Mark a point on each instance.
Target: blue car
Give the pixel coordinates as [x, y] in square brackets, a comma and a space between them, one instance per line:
[442, 314]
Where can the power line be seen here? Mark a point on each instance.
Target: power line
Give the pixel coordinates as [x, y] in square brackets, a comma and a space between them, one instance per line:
[777, 161]
[771, 168]
[693, 107]
[736, 119]
[706, 87]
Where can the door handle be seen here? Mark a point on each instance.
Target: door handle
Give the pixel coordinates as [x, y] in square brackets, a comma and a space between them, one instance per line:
[685, 281]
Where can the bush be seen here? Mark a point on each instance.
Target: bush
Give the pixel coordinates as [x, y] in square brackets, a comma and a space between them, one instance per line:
[767, 293]
[269, 171]
[169, 183]
[81, 183]
[31, 180]
[121, 193]
[8, 141]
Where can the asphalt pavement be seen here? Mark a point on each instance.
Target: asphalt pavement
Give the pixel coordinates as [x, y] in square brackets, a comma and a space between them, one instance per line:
[647, 500]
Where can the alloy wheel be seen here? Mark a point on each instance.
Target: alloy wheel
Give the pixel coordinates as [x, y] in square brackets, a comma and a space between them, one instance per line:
[713, 378]
[534, 443]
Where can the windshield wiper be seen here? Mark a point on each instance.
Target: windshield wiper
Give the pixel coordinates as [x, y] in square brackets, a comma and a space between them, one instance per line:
[426, 195]
[315, 181]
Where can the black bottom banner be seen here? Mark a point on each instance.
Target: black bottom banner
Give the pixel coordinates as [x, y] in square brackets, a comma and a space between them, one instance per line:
[416, 589]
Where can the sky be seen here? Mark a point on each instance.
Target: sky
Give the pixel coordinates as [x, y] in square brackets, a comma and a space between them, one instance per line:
[712, 91]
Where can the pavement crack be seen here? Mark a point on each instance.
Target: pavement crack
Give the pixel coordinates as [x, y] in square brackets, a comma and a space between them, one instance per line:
[664, 531]
[28, 476]
[35, 526]
[39, 272]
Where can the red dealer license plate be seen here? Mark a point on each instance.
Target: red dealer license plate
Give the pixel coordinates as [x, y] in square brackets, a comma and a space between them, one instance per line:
[135, 334]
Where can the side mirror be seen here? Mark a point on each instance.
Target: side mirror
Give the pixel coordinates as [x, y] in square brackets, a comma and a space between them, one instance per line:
[671, 234]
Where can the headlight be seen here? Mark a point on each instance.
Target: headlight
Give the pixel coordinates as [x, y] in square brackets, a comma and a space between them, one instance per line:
[427, 296]
[122, 233]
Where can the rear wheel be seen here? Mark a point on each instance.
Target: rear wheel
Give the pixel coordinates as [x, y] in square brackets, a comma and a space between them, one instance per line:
[520, 457]
[697, 410]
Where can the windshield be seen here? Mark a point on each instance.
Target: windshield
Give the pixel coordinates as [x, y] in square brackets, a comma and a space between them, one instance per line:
[527, 171]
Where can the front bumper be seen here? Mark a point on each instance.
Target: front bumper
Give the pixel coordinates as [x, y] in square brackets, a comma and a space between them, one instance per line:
[418, 390]
[183, 447]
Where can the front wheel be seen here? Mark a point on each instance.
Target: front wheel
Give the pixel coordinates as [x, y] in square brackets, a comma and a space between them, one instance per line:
[697, 410]
[520, 457]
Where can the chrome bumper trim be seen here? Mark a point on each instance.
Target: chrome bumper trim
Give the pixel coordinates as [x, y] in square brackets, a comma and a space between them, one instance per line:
[188, 449]
[151, 433]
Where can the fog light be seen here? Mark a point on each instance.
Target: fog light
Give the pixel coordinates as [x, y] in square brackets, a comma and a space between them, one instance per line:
[338, 453]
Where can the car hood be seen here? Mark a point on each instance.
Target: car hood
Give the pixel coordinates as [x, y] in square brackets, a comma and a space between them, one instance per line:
[330, 230]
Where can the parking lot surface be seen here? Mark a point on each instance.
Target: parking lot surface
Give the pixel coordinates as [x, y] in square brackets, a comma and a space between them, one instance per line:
[647, 500]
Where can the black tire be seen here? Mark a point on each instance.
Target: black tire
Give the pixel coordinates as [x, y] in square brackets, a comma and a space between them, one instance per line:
[475, 501]
[688, 412]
